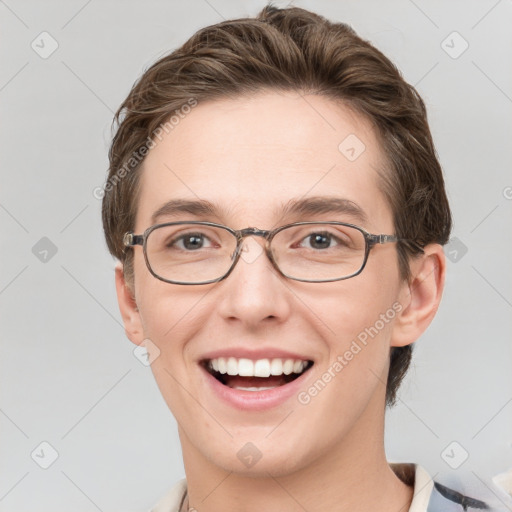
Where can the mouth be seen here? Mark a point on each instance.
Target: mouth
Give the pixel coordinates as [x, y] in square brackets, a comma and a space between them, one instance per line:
[255, 375]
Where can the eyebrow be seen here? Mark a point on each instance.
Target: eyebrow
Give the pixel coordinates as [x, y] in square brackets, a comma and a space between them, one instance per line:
[301, 208]
[317, 205]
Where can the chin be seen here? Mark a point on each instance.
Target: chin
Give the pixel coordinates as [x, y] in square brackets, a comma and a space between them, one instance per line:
[256, 459]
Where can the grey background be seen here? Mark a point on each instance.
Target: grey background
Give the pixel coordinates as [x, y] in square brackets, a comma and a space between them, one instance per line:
[68, 374]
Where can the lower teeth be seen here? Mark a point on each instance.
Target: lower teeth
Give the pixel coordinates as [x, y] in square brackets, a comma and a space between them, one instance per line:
[253, 388]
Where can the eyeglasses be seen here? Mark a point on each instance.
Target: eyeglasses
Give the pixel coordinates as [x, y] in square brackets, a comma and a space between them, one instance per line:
[197, 252]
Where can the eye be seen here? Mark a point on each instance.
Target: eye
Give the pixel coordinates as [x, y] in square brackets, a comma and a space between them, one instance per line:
[190, 242]
[323, 240]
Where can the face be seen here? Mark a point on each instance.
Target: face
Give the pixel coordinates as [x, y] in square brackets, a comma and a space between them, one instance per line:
[249, 157]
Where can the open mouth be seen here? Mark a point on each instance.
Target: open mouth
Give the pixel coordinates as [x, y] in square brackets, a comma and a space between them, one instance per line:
[259, 375]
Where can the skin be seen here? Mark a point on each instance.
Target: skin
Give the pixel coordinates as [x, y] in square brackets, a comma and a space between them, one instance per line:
[252, 155]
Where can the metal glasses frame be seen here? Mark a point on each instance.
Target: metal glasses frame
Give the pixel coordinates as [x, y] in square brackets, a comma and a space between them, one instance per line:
[131, 240]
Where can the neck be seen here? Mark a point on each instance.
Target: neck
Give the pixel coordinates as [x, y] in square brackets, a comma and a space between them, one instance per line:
[352, 475]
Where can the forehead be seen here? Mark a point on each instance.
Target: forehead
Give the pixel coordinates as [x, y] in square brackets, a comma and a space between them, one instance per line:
[251, 156]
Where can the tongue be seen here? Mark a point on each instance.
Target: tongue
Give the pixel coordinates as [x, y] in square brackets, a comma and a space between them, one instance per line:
[234, 381]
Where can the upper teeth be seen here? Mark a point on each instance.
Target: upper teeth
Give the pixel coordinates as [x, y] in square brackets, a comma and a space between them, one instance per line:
[259, 368]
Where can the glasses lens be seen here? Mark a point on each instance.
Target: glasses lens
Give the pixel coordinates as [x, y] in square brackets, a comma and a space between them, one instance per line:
[190, 253]
[319, 251]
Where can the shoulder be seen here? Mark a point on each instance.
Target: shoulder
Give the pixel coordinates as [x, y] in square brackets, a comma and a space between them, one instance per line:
[173, 500]
[455, 491]
[442, 492]
[468, 490]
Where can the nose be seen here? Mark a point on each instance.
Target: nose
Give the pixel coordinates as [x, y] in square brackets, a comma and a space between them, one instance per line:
[254, 291]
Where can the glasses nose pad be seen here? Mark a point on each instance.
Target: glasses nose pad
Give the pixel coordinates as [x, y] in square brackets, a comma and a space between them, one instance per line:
[251, 250]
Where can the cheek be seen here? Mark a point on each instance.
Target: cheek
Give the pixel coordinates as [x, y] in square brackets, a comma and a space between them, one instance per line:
[167, 319]
[367, 320]
[356, 305]
[171, 315]
[160, 312]
[357, 364]
[358, 317]
[169, 322]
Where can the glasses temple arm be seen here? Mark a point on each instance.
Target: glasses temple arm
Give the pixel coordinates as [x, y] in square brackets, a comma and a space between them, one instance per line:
[129, 240]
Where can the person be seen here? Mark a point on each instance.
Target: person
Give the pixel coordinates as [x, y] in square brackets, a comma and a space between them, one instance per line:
[278, 213]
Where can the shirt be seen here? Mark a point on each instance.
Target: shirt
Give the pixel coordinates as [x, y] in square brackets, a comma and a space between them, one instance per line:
[452, 492]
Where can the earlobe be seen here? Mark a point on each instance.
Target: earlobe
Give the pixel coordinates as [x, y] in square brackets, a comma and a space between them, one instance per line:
[128, 307]
[420, 297]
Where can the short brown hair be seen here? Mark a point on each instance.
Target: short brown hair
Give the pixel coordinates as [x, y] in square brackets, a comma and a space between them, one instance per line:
[289, 49]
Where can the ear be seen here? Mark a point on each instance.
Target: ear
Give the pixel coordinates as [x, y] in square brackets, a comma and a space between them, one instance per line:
[420, 297]
[128, 308]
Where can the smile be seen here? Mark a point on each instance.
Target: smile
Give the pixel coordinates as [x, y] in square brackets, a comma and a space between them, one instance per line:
[255, 375]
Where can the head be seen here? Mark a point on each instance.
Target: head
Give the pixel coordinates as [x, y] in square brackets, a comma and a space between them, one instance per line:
[249, 115]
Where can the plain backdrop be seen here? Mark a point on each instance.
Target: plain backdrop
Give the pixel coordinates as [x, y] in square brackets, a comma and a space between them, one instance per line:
[69, 378]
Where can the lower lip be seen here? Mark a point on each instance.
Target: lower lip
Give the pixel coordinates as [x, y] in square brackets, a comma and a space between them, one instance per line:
[256, 400]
